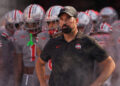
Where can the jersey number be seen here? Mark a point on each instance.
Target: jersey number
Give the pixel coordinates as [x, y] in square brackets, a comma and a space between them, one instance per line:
[33, 52]
[50, 65]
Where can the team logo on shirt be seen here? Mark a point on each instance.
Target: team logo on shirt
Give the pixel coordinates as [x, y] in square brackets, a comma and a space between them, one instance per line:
[50, 65]
[58, 46]
[43, 38]
[23, 36]
[78, 46]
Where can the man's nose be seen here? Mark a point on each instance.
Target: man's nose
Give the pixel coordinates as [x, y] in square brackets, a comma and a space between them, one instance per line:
[64, 23]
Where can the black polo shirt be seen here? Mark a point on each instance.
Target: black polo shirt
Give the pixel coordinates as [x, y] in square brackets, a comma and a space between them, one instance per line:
[73, 62]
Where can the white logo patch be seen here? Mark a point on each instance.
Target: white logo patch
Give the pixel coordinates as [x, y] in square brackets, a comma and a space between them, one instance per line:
[78, 46]
[50, 65]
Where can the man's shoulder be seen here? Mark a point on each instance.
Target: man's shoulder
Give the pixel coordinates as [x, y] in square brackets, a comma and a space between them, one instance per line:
[84, 37]
[86, 40]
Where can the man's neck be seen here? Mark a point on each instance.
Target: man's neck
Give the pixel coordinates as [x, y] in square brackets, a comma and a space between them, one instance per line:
[69, 37]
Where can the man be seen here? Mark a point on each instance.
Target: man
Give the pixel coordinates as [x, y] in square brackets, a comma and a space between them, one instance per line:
[73, 56]
[116, 40]
[95, 17]
[51, 31]
[7, 51]
[84, 23]
[108, 14]
[105, 40]
[26, 46]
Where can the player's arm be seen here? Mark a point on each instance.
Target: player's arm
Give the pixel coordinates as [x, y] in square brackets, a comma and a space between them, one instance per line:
[107, 67]
[40, 70]
[18, 64]
[18, 69]
[44, 56]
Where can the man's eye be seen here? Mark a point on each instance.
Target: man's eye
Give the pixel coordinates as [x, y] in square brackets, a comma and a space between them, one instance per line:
[68, 17]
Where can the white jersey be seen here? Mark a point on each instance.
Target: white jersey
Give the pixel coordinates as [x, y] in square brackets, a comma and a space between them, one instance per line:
[22, 38]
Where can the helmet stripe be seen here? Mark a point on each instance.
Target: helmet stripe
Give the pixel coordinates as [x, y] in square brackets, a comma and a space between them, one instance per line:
[15, 14]
[49, 12]
[20, 12]
[30, 11]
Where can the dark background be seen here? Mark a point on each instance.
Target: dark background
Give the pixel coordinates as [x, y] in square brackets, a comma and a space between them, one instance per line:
[80, 5]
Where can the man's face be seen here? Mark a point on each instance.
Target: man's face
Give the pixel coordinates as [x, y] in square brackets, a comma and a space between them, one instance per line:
[32, 27]
[105, 18]
[52, 27]
[10, 28]
[66, 20]
[52, 24]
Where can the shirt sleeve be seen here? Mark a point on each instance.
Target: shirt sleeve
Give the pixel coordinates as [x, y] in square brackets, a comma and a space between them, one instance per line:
[96, 51]
[45, 54]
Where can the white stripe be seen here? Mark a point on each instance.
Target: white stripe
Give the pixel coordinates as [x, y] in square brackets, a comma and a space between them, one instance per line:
[26, 80]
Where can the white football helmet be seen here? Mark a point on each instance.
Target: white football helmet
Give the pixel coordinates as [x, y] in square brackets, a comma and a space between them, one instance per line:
[33, 16]
[14, 16]
[83, 19]
[108, 15]
[52, 13]
[96, 19]
[13, 19]
[93, 14]
[52, 17]
[84, 22]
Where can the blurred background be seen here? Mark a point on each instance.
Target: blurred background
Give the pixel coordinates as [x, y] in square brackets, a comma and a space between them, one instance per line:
[80, 5]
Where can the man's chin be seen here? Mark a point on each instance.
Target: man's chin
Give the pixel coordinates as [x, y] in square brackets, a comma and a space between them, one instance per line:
[66, 30]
